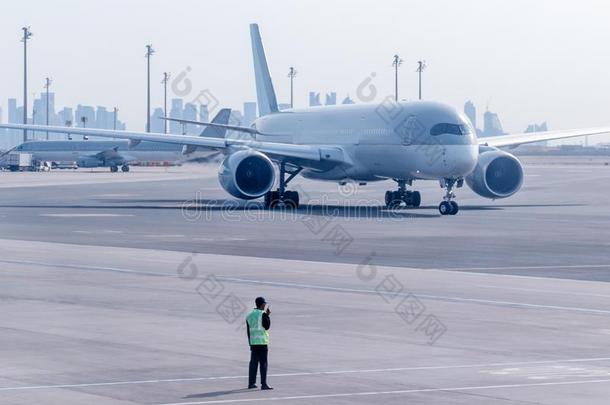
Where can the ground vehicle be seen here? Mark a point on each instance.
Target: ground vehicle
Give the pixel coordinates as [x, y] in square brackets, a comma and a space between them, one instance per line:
[19, 161]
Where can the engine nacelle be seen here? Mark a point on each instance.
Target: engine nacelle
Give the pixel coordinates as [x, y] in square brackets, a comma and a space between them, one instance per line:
[246, 174]
[498, 174]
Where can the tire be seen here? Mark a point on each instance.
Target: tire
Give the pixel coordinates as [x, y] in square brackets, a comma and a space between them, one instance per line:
[114, 169]
[388, 198]
[292, 197]
[125, 168]
[392, 199]
[267, 200]
[455, 208]
[445, 208]
[272, 198]
[416, 199]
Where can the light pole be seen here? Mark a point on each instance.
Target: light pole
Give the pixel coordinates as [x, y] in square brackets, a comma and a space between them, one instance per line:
[115, 110]
[421, 65]
[164, 82]
[292, 74]
[396, 62]
[47, 84]
[149, 53]
[83, 119]
[27, 34]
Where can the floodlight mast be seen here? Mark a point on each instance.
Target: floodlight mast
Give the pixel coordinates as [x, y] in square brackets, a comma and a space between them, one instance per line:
[165, 80]
[149, 52]
[292, 74]
[47, 84]
[396, 62]
[27, 34]
[115, 110]
[421, 65]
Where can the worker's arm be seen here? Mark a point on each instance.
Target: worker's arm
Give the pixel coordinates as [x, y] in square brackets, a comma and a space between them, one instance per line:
[266, 321]
[248, 331]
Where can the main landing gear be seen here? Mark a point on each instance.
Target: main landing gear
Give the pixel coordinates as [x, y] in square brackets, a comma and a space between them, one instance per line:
[281, 197]
[124, 168]
[394, 199]
[448, 206]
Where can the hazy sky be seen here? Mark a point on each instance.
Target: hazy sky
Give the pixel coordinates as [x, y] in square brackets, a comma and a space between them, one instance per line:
[529, 60]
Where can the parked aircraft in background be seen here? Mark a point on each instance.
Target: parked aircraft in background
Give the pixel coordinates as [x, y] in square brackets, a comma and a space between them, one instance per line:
[119, 153]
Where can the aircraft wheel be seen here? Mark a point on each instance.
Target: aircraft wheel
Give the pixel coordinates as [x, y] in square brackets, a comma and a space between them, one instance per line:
[445, 208]
[114, 169]
[272, 199]
[416, 199]
[291, 199]
[392, 199]
[455, 208]
[125, 168]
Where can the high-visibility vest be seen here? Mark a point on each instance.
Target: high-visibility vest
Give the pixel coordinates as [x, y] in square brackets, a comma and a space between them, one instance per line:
[258, 334]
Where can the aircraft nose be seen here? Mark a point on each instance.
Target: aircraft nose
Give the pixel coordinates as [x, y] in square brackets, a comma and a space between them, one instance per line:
[464, 159]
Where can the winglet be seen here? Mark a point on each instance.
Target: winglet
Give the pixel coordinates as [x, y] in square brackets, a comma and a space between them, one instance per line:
[267, 102]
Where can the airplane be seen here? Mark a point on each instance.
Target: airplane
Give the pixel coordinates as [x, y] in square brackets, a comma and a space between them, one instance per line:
[399, 141]
[117, 154]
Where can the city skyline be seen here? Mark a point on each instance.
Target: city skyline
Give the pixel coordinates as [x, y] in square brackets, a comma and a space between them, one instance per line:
[510, 56]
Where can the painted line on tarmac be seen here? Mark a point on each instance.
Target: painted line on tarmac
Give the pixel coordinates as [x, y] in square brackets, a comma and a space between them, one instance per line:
[397, 392]
[93, 215]
[571, 266]
[305, 374]
[509, 304]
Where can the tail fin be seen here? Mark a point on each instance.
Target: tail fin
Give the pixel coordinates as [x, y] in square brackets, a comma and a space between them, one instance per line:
[212, 132]
[267, 103]
[221, 118]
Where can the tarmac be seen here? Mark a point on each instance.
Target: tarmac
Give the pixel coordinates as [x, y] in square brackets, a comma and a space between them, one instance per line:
[132, 288]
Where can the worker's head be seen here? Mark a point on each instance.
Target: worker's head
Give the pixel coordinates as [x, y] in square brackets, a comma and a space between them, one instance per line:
[260, 302]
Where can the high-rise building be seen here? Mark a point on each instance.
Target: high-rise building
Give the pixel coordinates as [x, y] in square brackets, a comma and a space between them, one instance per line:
[331, 98]
[157, 124]
[538, 128]
[12, 111]
[314, 99]
[66, 117]
[492, 125]
[190, 113]
[471, 112]
[204, 114]
[249, 113]
[176, 111]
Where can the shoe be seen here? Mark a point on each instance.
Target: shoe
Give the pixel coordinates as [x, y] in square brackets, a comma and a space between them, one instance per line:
[266, 387]
[251, 386]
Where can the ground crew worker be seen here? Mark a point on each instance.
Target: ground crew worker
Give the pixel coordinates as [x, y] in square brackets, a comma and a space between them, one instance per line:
[257, 325]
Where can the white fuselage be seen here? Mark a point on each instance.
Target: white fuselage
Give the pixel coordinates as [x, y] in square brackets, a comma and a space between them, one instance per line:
[390, 140]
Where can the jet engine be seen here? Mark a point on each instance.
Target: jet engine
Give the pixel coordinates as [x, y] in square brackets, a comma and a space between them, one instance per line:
[498, 174]
[246, 174]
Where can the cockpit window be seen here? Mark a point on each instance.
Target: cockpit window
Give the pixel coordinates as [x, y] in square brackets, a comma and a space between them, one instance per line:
[454, 129]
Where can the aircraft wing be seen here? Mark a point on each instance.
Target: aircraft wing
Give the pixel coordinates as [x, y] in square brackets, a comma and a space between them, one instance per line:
[214, 125]
[530, 137]
[302, 152]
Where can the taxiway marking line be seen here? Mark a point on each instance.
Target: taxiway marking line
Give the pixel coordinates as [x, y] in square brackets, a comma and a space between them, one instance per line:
[510, 304]
[304, 374]
[397, 392]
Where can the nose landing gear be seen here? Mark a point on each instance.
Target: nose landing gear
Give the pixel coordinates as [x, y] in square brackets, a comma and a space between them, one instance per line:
[448, 206]
[394, 199]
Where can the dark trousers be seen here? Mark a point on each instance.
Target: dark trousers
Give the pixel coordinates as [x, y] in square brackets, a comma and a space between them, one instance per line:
[258, 355]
